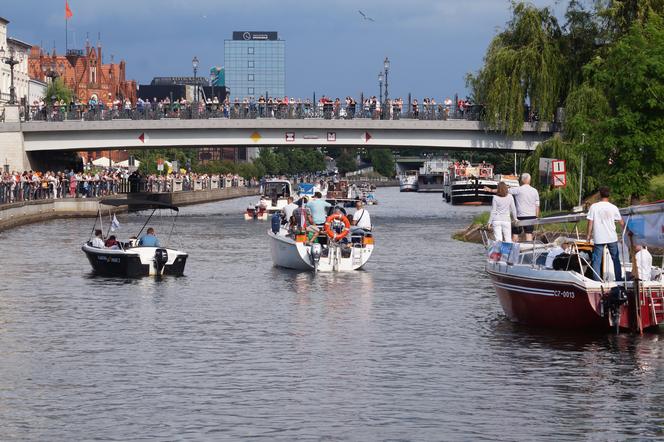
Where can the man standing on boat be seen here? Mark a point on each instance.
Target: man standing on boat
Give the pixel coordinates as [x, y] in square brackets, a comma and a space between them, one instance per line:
[318, 207]
[602, 218]
[527, 201]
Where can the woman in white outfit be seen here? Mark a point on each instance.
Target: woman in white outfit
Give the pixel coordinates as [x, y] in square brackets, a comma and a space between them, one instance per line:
[501, 209]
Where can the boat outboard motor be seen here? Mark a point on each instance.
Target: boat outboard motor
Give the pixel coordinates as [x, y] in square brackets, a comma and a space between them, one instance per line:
[315, 254]
[160, 259]
[276, 222]
[612, 302]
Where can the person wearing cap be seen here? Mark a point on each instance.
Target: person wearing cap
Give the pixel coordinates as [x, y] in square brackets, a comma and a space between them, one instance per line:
[560, 246]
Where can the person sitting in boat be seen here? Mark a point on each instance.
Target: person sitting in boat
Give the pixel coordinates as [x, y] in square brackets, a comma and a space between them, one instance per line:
[305, 222]
[560, 245]
[318, 207]
[502, 207]
[361, 218]
[149, 239]
[98, 240]
[112, 243]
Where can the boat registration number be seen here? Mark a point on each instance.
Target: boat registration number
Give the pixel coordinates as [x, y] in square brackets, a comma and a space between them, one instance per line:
[564, 294]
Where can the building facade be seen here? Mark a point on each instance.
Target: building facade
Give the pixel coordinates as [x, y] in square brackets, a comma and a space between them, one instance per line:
[85, 73]
[254, 65]
[21, 78]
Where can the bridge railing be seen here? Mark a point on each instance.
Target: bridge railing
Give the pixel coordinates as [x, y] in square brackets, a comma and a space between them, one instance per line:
[241, 111]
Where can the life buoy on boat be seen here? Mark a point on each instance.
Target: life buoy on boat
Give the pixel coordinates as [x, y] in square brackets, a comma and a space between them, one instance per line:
[484, 172]
[328, 226]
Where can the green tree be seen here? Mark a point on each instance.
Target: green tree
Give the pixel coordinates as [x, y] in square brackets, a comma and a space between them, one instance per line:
[382, 161]
[522, 65]
[626, 144]
[347, 161]
[57, 90]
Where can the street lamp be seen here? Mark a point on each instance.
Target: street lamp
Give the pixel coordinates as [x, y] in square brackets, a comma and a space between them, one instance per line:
[381, 78]
[212, 78]
[11, 60]
[51, 71]
[194, 64]
[386, 66]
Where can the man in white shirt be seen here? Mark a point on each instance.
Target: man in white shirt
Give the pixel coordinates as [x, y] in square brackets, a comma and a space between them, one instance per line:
[643, 260]
[289, 209]
[361, 217]
[527, 201]
[602, 218]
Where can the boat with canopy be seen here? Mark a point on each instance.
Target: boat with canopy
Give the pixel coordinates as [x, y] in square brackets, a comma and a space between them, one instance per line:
[129, 259]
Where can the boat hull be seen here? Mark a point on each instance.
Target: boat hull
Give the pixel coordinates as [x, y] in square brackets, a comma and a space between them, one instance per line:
[469, 192]
[135, 262]
[551, 303]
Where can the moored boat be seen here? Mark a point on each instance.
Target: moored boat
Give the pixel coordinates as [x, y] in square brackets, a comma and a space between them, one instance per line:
[408, 181]
[431, 177]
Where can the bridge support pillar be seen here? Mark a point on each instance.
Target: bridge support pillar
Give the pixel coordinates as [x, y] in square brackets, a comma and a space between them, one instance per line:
[12, 150]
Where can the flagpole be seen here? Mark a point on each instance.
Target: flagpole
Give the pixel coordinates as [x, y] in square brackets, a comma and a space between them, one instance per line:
[66, 35]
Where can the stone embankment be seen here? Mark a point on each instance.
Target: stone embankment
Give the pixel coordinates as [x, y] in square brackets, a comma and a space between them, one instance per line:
[19, 214]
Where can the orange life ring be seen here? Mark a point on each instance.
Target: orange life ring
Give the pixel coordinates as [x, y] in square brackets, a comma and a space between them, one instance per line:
[328, 226]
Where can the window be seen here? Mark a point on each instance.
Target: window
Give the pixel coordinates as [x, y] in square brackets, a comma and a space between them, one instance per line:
[250, 77]
[250, 50]
[250, 91]
[251, 64]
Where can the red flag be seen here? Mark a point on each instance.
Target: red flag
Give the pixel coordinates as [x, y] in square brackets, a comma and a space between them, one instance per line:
[68, 13]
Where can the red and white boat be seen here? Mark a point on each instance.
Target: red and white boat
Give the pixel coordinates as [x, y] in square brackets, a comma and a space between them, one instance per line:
[533, 294]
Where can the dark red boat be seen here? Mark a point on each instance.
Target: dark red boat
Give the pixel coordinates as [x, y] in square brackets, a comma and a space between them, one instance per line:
[568, 298]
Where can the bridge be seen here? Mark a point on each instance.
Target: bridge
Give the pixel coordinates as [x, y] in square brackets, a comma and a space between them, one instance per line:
[19, 139]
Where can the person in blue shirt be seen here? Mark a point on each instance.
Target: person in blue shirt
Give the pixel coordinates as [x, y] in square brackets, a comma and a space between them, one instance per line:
[149, 239]
[318, 207]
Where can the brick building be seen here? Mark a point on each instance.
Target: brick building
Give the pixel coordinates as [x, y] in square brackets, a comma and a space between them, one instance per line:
[84, 72]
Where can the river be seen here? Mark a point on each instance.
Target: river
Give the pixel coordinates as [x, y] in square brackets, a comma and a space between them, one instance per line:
[415, 347]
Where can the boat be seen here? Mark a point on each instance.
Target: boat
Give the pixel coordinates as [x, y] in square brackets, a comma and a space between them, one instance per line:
[567, 296]
[335, 251]
[274, 198]
[431, 177]
[365, 192]
[408, 181]
[129, 260]
[341, 192]
[464, 184]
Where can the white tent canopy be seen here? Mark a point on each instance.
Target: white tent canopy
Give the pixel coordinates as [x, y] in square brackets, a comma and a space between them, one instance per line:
[125, 163]
[102, 162]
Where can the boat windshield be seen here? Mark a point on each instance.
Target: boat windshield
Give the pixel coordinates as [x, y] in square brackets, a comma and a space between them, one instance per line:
[279, 189]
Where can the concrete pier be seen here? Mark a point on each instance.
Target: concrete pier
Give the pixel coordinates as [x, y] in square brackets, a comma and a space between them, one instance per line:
[19, 214]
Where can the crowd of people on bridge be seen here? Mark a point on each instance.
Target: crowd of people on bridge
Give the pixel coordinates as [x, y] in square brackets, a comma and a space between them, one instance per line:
[251, 107]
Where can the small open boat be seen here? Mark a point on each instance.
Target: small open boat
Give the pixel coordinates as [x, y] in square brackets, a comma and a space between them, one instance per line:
[128, 259]
[567, 296]
[336, 251]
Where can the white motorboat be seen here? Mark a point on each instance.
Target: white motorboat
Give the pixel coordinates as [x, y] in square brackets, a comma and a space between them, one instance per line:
[349, 252]
[273, 199]
[127, 259]
[408, 181]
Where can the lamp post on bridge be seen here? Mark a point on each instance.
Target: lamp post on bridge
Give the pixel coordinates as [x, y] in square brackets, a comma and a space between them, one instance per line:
[194, 64]
[381, 78]
[212, 79]
[11, 59]
[386, 68]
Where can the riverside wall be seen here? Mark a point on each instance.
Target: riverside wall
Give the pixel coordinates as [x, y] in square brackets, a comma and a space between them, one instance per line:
[19, 214]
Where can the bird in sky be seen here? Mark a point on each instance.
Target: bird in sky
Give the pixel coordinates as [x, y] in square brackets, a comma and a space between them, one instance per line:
[365, 16]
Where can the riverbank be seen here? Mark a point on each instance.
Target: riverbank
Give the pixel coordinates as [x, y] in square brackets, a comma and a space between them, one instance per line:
[20, 214]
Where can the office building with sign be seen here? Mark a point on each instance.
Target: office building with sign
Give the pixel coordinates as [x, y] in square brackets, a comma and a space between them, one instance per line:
[254, 65]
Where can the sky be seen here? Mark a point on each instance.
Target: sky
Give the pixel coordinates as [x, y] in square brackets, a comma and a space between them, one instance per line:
[330, 48]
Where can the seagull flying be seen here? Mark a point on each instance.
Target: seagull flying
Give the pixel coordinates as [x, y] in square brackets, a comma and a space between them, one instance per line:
[365, 17]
